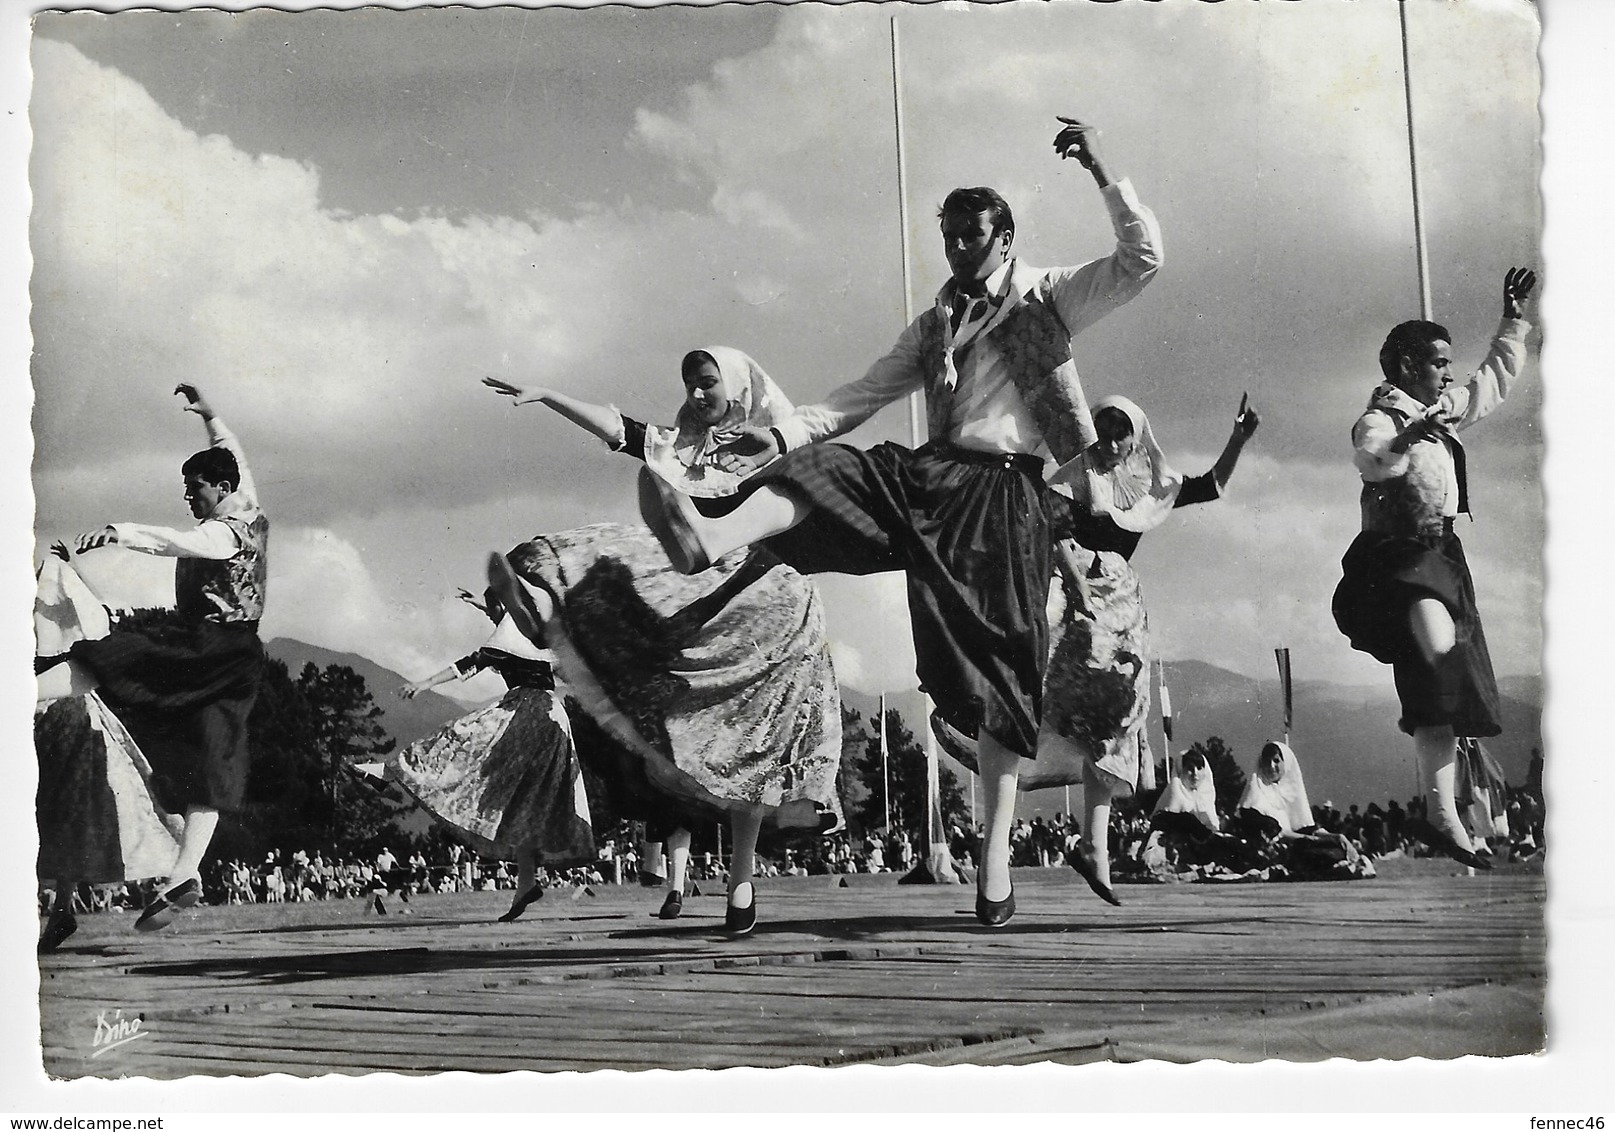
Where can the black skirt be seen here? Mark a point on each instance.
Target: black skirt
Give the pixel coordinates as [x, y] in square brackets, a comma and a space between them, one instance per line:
[184, 691]
[1382, 576]
[971, 531]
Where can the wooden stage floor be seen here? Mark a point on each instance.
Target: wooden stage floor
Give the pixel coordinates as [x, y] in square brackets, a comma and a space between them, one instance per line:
[1423, 961]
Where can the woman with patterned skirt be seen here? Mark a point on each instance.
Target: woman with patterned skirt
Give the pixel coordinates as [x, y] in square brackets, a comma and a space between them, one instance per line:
[504, 778]
[1096, 692]
[712, 696]
[99, 817]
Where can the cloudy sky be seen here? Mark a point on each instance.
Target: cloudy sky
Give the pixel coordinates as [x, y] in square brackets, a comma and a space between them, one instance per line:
[337, 222]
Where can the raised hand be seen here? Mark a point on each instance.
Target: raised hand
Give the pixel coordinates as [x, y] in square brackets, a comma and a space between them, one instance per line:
[1517, 287]
[515, 392]
[1246, 421]
[1076, 139]
[194, 401]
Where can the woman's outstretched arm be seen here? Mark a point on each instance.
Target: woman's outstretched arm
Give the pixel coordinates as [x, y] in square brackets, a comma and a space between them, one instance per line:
[601, 420]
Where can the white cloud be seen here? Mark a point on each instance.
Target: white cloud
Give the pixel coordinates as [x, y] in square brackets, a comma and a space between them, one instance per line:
[345, 348]
[323, 592]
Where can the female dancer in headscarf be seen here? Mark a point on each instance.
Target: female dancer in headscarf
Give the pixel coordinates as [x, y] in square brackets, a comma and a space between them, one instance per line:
[99, 817]
[716, 689]
[1096, 692]
[505, 778]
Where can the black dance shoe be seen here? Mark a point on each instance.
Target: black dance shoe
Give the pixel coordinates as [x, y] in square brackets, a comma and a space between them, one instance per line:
[519, 905]
[671, 517]
[673, 907]
[57, 929]
[995, 913]
[1084, 864]
[166, 905]
[511, 591]
[1444, 842]
[740, 921]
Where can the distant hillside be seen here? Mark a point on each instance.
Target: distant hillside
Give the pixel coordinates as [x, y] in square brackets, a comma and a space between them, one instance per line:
[405, 720]
[1345, 735]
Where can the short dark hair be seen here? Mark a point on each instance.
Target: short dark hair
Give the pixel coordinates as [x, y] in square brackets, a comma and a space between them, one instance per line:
[215, 465]
[980, 199]
[1409, 340]
[693, 359]
[1194, 760]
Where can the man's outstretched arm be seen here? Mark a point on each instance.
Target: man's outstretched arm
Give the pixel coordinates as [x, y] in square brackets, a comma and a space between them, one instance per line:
[1085, 294]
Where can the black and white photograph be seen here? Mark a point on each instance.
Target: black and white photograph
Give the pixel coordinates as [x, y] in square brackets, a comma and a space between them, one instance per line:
[815, 539]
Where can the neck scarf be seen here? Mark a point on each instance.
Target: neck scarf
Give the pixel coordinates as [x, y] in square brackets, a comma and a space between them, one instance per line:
[1285, 801]
[685, 454]
[1140, 491]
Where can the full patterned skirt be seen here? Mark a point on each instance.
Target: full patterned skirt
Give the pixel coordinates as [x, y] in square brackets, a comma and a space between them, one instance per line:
[505, 778]
[716, 689]
[1096, 691]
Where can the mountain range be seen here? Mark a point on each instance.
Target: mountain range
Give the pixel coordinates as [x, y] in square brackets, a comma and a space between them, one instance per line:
[1345, 736]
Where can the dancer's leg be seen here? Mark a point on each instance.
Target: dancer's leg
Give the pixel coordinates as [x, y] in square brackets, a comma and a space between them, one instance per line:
[200, 822]
[678, 526]
[743, 830]
[526, 870]
[1437, 747]
[1433, 629]
[1000, 769]
[1097, 792]
[767, 511]
[68, 678]
[62, 922]
[652, 865]
[527, 890]
[1438, 764]
[677, 847]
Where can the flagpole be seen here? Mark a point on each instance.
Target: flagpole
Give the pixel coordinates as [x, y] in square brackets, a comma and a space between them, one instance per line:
[936, 863]
[1286, 689]
[1426, 311]
[1166, 719]
[1413, 167]
[885, 774]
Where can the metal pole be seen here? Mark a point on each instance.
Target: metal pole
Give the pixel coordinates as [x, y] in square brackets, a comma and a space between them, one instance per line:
[914, 403]
[1425, 306]
[1425, 311]
[936, 864]
[885, 772]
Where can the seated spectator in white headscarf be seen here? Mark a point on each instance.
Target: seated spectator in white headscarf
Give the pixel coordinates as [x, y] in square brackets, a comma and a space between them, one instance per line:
[1191, 791]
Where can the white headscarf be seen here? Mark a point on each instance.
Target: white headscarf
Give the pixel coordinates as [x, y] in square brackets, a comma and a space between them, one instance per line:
[1140, 491]
[1285, 801]
[683, 455]
[1191, 791]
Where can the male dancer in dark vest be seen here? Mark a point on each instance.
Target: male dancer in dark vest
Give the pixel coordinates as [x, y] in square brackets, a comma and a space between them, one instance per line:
[1406, 596]
[964, 516]
[188, 685]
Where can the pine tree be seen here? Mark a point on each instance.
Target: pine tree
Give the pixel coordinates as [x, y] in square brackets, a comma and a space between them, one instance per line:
[905, 767]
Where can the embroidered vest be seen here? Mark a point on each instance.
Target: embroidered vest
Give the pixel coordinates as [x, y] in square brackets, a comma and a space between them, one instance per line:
[1411, 504]
[230, 589]
[1037, 349]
